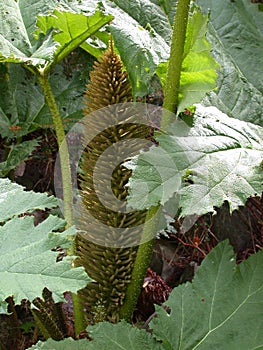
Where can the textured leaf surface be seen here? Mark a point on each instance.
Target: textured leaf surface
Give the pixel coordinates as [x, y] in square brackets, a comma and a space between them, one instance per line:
[15, 45]
[17, 154]
[28, 264]
[236, 34]
[120, 336]
[106, 336]
[141, 34]
[220, 155]
[220, 309]
[198, 74]
[244, 101]
[58, 34]
[15, 201]
[66, 344]
[72, 29]
[18, 108]
[241, 35]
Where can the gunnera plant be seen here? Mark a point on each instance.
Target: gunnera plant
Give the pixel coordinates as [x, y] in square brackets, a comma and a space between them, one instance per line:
[107, 263]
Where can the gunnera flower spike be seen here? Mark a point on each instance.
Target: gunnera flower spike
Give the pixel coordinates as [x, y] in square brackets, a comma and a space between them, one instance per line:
[110, 265]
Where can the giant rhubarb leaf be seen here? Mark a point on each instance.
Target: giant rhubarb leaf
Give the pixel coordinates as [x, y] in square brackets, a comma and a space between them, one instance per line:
[108, 336]
[15, 201]
[28, 264]
[236, 34]
[216, 160]
[198, 75]
[58, 33]
[221, 309]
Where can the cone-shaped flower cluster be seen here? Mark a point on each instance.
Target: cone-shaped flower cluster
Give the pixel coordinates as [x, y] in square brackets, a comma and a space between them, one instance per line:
[108, 263]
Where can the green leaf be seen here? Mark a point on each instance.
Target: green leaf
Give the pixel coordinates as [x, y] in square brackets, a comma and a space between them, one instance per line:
[57, 35]
[198, 75]
[17, 86]
[15, 45]
[141, 34]
[221, 155]
[106, 336]
[28, 264]
[18, 108]
[240, 34]
[220, 309]
[30, 9]
[15, 201]
[235, 32]
[245, 101]
[16, 155]
[66, 344]
[72, 29]
[120, 336]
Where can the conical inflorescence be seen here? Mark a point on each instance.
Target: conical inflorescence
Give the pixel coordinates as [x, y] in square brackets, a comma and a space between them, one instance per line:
[105, 243]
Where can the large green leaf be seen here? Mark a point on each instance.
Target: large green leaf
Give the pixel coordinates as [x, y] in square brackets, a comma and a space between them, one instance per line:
[220, 309]
[17, 86]
[28, 264]
[15, 201]
[72, 29]
[30, 9]
[236, 33]
[15, 45]
[242, 102]
[198, 75]
[66, 344]
[240, 33]
[121, 336]
[216, 160]
[58, 33]
[16, 155]
[107, 336]
[141, 33]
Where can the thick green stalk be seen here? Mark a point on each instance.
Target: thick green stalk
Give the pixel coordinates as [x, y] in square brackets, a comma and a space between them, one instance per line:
[66, 184]
[172, 85]
[63, 149]
[142, 262]
[171, 93]
[79, 316]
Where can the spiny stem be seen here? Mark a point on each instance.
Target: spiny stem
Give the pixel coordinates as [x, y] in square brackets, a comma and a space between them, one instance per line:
[172, 85]
[63, 148]
[79, 317]
[143, 259]
[171, 92]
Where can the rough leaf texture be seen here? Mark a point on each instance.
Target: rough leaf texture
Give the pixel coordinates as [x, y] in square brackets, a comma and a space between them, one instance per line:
[28, 264]
[106, 336]
[198, 74]
[216, 160]
[236, 34]
[220, 309]
[15, 201]
[56, 35]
